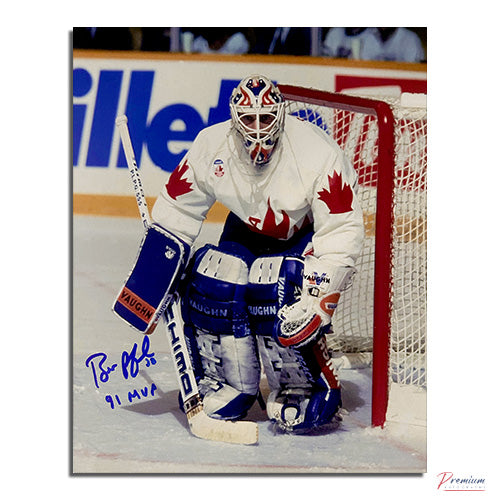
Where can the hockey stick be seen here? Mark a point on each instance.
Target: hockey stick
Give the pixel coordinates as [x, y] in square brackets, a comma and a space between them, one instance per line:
[122, 124]
[200, 424]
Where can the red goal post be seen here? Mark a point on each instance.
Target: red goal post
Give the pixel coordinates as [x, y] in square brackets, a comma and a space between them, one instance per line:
[385, 313]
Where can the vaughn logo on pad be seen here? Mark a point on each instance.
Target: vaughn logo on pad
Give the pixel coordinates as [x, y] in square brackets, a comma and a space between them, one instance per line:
[136, 305]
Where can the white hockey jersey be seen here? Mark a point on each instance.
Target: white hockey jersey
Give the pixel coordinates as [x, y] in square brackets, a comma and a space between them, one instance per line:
[307, 180]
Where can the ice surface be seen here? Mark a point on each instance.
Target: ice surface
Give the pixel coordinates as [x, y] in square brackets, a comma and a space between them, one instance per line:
[148, 433]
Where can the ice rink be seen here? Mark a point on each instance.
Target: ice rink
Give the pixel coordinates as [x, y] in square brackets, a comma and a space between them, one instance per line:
[133, 424]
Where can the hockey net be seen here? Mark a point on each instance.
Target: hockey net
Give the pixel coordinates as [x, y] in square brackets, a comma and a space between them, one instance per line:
[382, 317]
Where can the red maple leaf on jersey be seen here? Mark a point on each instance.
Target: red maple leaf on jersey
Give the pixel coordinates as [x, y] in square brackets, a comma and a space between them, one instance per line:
[176, 185]
[338, 197]
[269, 226]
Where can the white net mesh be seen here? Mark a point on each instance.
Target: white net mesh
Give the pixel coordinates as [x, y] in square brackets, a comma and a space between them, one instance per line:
[357, 134]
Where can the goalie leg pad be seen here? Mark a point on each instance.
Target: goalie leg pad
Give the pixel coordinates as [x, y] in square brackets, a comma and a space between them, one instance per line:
[305, 390]
[273, 282]
[216, 309]
[224, 402]
[309, 366]
[216, 292]
[159, 264]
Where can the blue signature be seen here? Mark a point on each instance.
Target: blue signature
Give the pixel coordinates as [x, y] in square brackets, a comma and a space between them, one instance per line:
[130, 363]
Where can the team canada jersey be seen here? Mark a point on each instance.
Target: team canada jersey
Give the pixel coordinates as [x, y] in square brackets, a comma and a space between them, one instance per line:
[308, 180]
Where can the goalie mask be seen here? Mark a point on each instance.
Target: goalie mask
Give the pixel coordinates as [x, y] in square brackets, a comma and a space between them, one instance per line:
[258, 114]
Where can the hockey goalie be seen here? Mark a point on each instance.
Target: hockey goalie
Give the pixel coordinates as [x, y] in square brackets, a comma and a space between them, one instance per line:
[261, 300]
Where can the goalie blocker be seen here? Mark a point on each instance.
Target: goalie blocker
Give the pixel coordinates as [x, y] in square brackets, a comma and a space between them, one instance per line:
[161, 259]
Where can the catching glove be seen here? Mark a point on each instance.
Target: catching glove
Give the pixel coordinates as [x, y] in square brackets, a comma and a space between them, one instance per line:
[309, 317]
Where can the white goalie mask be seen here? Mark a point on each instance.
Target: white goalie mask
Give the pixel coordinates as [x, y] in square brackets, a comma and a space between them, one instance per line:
[258, 114]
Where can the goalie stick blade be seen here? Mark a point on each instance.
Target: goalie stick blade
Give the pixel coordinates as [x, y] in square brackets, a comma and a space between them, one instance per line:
[204, 427]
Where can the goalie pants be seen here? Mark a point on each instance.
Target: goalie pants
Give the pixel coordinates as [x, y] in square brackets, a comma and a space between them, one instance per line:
[232, 296]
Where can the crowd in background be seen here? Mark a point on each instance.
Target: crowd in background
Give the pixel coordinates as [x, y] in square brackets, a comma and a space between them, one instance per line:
[382, 44]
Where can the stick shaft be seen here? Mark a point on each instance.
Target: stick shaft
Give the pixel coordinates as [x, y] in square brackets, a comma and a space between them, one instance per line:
[122, 124]
[200, 424]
